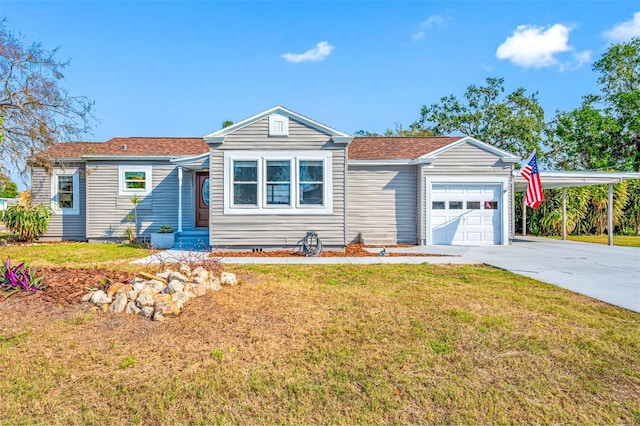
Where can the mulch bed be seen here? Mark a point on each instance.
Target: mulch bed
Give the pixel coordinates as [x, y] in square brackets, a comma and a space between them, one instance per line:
[66, 286]
[351, 250]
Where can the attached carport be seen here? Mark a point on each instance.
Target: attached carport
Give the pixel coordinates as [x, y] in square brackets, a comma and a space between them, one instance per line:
[557, 179]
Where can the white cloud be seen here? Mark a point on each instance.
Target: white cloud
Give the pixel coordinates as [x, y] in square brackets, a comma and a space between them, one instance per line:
[625, 31]
[429, 23]
[317, 54]
[578, 60]
[531, 46]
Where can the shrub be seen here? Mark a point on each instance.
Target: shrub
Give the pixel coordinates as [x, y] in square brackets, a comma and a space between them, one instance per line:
[27, 222]
[19, 278]
[165, 229]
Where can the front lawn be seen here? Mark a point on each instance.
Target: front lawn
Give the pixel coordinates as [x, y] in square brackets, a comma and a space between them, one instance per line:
[348, 344]
[80, 255]
[618, 240]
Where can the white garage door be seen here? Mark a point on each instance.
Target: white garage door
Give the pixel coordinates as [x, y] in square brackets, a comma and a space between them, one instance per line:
[466, 214]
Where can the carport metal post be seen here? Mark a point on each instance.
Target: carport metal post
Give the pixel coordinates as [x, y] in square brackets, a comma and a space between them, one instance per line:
[524, 215]
[564, 213]
[610, 214]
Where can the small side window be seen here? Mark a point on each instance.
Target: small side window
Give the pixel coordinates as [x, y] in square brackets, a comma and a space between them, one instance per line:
[491, 205]
[437, 205]
[473, 205]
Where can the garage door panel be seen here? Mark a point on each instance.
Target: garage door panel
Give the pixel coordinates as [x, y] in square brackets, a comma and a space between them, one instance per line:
[466, 214]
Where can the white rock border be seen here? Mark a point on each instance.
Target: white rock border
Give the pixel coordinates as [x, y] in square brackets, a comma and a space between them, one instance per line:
[159, 296]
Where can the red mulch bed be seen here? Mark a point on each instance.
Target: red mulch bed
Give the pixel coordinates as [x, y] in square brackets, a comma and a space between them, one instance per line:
[66, 286]
[351, 250]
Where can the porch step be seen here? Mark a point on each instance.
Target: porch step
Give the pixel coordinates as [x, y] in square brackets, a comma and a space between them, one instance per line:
[192, 240]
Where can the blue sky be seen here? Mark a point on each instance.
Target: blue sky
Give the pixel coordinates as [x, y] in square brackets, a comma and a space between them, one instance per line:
[161, 68]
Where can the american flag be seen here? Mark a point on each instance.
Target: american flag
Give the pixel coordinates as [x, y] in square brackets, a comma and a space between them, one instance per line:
[531, 174]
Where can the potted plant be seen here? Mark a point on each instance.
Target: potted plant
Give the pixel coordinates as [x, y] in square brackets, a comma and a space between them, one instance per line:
[164, 238]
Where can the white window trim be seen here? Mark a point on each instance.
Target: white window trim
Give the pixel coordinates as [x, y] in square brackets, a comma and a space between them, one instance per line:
[123, 191]
[295, 208]
[430, 181]
[75, 210]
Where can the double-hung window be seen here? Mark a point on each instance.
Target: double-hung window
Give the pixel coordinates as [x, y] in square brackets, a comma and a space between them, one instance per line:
[134, 180]
[65, 191]
[311, 182]
[278, 182]
[245, 183]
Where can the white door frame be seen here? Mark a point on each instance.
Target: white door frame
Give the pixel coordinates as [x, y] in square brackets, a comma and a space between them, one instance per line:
[468, 180]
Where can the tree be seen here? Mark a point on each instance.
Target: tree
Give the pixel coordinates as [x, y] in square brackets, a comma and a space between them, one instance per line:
[227, 123]
[604, 132]
[8, 189]
[37, 111]
[513, 122]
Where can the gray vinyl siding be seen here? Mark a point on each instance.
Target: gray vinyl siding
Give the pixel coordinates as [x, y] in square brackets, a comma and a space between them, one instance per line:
[237, 230]
[468, 156]
[108, 211]
[382, 204]
[61, 226]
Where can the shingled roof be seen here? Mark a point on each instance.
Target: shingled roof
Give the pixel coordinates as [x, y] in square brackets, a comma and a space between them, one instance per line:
[396, 148]
[368, 148]
[129, 146]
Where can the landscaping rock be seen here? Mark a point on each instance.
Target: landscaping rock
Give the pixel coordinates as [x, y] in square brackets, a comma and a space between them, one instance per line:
[213, 284]
[100, 298]
[177, 276]
[126, 288]
[161, 297]
[113, 288]
[184, 269]
[133, 294]
[131, 308]
[174, 287]
[182, 296]
[147, 311]
[145, 298]
[153, 298]
[163, 274]
[155, 285]
[167, 310]
[199, 270]
[228, 278]
[138, 284]
[151, 277]
[119, 303]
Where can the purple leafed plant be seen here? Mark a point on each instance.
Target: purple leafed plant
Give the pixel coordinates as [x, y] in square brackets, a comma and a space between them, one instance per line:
[19, 278]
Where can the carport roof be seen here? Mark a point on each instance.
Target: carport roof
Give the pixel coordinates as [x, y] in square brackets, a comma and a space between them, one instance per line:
[560, 179]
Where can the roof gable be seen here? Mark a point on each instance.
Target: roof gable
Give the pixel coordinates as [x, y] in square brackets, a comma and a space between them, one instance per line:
[505, 156]
[337, 136]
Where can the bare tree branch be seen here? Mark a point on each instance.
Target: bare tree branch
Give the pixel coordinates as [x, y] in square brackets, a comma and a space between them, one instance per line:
[36, 111]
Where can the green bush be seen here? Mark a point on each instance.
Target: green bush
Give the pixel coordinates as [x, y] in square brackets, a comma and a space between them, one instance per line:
[27, 222]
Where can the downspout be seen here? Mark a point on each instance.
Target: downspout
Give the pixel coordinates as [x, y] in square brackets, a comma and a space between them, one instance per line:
[179, 198]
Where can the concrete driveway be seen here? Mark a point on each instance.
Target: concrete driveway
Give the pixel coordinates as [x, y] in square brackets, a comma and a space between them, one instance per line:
[610, 274]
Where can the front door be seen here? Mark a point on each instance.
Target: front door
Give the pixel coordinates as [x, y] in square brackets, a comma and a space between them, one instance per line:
[202, 199]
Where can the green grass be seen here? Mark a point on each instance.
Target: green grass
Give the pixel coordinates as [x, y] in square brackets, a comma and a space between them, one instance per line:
[618, 240]
[81, 255]
[348, 344]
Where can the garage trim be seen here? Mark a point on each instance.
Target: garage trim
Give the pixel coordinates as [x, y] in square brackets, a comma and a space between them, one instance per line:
[467, 180]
